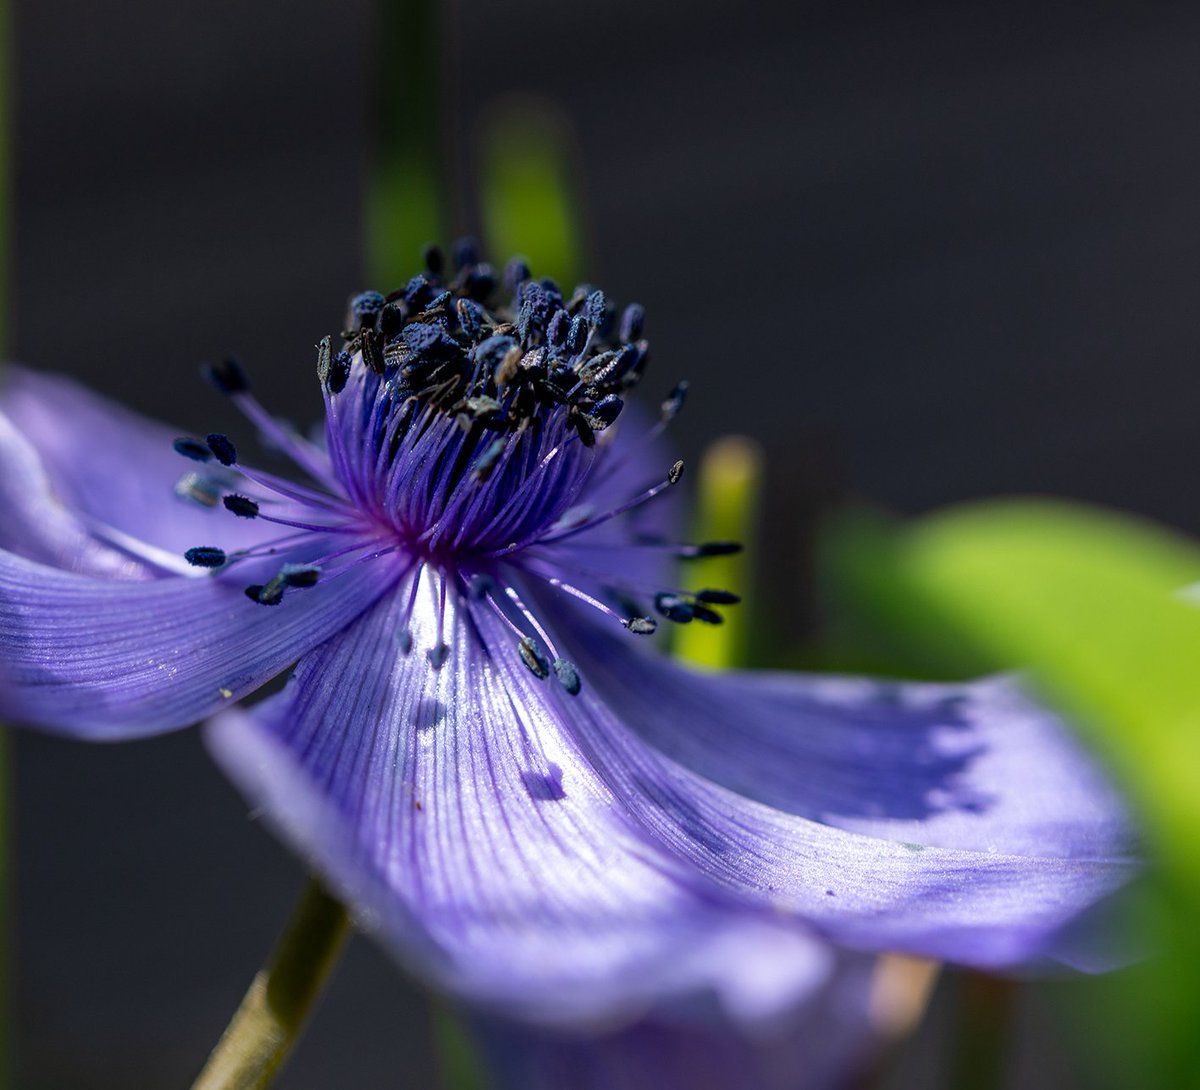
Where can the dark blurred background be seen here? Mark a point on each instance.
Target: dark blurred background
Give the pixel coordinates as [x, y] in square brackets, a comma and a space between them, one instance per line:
[923, 252]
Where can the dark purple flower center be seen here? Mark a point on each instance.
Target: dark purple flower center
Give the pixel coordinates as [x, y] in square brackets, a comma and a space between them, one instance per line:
[471, 438]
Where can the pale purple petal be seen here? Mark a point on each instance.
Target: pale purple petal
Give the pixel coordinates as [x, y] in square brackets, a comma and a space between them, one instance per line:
[36, 523]
[115, 468]
[978, 765]
[986, 908]
[102, 658]
[452, 811]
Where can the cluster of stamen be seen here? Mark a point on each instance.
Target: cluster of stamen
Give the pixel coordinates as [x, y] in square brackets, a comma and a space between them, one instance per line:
[462, 435]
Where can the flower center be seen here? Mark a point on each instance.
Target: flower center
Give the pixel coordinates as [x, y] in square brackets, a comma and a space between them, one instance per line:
[471, 439]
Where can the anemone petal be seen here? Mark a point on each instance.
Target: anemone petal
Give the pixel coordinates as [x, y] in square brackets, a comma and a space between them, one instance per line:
[450, 809]
[977, 766]
[990, 905]
[114, 467]
[109, 659]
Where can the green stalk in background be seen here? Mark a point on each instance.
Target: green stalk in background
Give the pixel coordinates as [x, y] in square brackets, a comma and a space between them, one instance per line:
[529, 195]
[409, 201]
[729, 496]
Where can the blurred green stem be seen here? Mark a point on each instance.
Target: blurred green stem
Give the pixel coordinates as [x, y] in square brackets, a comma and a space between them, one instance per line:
[268, 1022]
[410, 199]
[982, 1038]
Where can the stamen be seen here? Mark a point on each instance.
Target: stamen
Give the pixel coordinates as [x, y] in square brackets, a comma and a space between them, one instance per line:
[674, 608]
[222, 449]
[242, 506]
[192, 448]
[205, 556]
[201, 489]
[568, 676]
[228, 377]
[440, 652]
[718, 597]
[533, 658]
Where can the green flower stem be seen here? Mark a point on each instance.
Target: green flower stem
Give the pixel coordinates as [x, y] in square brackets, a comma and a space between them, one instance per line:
[984, 1021]
[264, 1028]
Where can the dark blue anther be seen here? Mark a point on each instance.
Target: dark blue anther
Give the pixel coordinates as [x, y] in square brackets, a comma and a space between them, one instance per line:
[480, 586]
[339, 371]
[674, 403]
[404, 641]
[641, 626]
[227, 376]
[365, 308]
[577, 334]
[717, 597]
[568, 676]
[675, 473]
[673, 607]
[632, 320]
[434, 260]
[191, 448]
[607, 410]
[372, 351]
[556, 330]
[299, 575]
[635, 370]
[466, 252]
[438, 301]
[222, 448]
[205, 556]
[515, 272]
[708, 616]
[596, 309]
[470, 316]
[712, 548]
[417, 291]
[241, 506]
[438, 655]
[481, 282]
[532, 657]
[534, 312]
[491, 352]
[429, 343]
[391, 318]
[269, 595]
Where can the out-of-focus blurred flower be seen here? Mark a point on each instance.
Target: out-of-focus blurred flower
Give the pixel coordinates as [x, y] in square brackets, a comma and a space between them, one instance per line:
[478, 748]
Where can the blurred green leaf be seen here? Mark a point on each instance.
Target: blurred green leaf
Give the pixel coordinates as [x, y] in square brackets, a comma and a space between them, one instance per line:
[1090, 602]
[530, 200]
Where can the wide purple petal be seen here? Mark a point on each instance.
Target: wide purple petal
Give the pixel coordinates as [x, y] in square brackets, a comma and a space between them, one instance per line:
[104, 658]
[114, 468]
[988, 907]
[451, 809]
[978, 766]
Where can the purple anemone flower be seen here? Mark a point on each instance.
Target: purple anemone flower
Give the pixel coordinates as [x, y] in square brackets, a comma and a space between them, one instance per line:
[479, 747]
